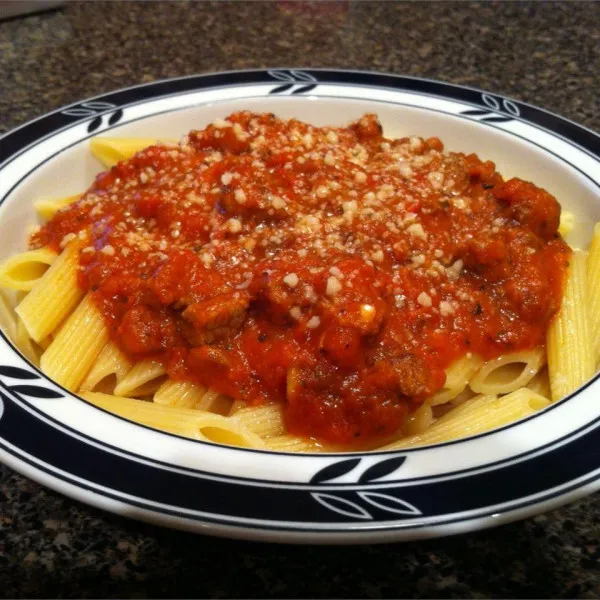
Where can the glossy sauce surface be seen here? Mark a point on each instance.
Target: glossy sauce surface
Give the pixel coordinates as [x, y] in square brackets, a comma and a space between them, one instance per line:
[330, 269]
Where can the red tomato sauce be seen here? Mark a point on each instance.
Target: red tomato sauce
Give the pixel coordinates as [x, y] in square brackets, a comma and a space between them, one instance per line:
[329, 269]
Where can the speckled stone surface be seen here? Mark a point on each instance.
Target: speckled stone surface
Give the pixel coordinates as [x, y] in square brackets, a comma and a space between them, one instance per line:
[544, 53]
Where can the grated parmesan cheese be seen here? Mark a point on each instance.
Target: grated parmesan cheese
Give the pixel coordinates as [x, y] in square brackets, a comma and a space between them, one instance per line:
[313, 322]
[333, 286]
[424, 299]
[291, 280]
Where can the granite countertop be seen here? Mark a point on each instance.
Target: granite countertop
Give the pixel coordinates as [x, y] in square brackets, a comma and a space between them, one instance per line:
[544, 53]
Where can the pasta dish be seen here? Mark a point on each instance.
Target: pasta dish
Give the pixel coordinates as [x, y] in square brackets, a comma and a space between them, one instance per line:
[272, 284]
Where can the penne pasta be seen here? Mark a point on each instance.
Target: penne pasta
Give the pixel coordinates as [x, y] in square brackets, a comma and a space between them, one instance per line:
[180, 394]
[76, 347]
[187, 422]
[508, 372]
[185, 394]
[593, 292]
[478, 415]
[540, 384]
[8, 320]
[53, 297]
[419, 421]
[24, 270]
[291, 443]
[265, 420]
[109, 369]
[458, 376]
[567, 222]
[570, 360]
[46, 209]
[30, 350]
[144, 379]
[109, 151]
[216, 402]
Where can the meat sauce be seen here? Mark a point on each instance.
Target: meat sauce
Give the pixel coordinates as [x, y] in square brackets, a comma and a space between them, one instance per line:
[329, 269]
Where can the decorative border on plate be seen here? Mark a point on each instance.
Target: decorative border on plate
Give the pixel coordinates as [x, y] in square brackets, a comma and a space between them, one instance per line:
[23, 136]
[316, 505]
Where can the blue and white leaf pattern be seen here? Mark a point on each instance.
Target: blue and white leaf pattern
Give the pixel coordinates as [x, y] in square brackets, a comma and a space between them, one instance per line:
[342, 506]
[94, 124]
[511, 107]
[476, 112]
[389, 503]
[27, 389]
[339, 504]
[490, 101]
[98, 110]
[302, 76]
[282, 88]
[35, 391]
[381, 469]
[355, 509]
[304, 89]
[89, 109]
[292, 78]
[500, 110]
[496, 119]
[281, 75]
[115, 117]
[335, 470]
[98, 105]
[79, 112]
[17, 373]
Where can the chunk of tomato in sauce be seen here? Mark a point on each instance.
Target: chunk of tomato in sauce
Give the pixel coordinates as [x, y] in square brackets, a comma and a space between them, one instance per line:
[144, 331]
[148, 206]
[532, 206]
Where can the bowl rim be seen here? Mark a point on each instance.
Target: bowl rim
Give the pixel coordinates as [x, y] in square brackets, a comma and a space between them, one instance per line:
[346, 535]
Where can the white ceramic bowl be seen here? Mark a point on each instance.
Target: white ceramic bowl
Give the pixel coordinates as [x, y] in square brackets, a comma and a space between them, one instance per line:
[101, 459]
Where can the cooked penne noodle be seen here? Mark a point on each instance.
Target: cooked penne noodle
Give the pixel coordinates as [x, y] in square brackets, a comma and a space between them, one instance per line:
[45, 343]
[46, 209]
[185, 394]
[187, 422]
[24, 270]
[540, 384]
[567, 222]
[292, 443]
[53, 297]
[76, 347]
[419, 421]
[570, 359]
[180, 394]
[265, 420]
[109, 369]
[458, 376]
[235, 406]
[26, 345]
[508, 372]
[144, 379]
[593, 292]
[8, 320]
[109, 151]
[216, 402]
[478, 415]
[465, 395]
